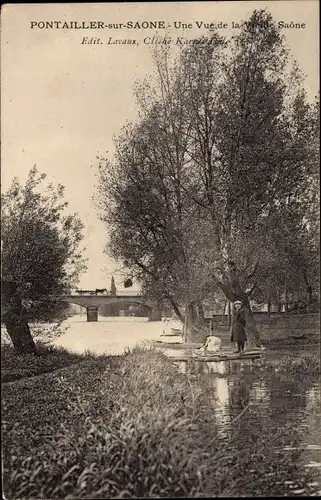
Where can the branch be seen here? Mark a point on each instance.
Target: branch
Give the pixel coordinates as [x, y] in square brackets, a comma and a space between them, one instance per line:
[249, 293]
[253, 273]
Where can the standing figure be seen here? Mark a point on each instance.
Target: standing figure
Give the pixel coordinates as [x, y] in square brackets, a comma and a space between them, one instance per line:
[238, 326]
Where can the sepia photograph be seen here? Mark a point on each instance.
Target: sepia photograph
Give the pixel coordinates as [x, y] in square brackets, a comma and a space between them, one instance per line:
[160, 250]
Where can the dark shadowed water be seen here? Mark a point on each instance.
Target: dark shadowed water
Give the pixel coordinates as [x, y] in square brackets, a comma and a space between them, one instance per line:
[287, 408]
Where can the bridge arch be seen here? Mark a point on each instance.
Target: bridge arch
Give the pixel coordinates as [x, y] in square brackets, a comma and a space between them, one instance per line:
[92, 303]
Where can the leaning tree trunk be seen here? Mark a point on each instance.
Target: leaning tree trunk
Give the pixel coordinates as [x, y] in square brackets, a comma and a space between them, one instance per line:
[15, 321]
[251, 328]
[176, 310]
[194, 331]
[19, 333]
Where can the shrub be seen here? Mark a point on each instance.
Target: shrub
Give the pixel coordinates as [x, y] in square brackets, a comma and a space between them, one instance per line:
[46, 333]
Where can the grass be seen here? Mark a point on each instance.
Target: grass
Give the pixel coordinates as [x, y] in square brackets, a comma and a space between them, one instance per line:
[132, 426]
[14, 367]
[288, 336]
[105, 428]
[48, 359]
[301, 366]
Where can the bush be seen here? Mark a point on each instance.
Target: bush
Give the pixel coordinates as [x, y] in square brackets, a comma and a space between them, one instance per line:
[46, 333]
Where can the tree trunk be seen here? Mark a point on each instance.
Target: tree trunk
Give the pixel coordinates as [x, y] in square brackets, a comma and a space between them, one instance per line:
[269, 307]
[286, 305]
[229, 313]
[310, 294]
[20, 336]
[223, 312]
[279, 307]
[188, 323]
[232, 312]
[233, 291]
[193, 332]
[200, 314]
[251, 329]
[15, 320]
[176, 310]
[308, 288]
[269, 310]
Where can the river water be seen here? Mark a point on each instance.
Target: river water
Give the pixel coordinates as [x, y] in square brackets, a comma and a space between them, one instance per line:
[274, 402]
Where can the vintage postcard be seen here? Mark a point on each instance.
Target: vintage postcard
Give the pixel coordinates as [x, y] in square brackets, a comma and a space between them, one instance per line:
[160, 243]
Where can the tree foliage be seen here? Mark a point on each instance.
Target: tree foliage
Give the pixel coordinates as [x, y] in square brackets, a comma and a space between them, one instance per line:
[212, 188]
[113, 289]
[41, 252]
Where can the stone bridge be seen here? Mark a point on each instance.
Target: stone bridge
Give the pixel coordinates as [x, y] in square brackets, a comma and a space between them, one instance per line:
[92, 300]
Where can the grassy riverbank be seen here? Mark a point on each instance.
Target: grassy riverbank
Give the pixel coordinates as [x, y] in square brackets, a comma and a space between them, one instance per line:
[301, 366]
[132, 426]
[49, 359]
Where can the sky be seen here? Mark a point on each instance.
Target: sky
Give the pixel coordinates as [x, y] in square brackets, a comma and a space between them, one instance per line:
[63, 101]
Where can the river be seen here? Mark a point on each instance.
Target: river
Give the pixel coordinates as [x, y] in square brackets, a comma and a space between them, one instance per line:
[111, 335]
[276, 402]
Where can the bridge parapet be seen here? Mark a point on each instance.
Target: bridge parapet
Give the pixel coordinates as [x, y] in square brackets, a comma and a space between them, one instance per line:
[104, 292]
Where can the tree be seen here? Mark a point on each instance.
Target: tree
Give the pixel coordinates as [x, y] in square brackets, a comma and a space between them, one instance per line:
[113, 308]
[246, 156]
[217, 168]
[291, 265]
[41, 255]
[251, 148]
[113, 289]
[143, 202]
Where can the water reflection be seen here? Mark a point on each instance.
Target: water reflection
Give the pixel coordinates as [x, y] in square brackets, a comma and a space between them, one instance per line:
[221, 390]
[290, 406]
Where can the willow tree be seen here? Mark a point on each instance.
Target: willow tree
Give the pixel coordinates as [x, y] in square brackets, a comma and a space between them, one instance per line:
[142, 201]
[153, 223]
[250, 152]
[41, 255]
[200, 187]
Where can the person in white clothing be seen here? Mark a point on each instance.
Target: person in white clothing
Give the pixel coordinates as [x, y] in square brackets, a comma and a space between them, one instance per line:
[212, 344]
